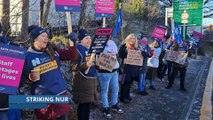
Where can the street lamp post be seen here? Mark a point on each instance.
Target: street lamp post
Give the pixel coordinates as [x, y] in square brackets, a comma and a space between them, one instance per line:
[184, 18]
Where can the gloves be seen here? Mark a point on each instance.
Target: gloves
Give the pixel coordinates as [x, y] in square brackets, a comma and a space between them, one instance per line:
[73, 37]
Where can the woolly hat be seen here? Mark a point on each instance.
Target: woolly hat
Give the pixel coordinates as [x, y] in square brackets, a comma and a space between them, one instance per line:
[34, 31]
[72, 36]
[82, 34]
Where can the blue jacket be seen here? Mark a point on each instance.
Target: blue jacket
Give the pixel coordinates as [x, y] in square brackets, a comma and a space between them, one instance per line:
[51, 81]
[85, 56]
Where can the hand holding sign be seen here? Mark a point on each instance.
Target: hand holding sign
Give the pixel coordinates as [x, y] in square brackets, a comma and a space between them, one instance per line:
[89, 63]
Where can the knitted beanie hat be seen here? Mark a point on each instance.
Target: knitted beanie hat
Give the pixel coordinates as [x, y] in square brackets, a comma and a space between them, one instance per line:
[82, 34]
[72, 36]
[34, 31]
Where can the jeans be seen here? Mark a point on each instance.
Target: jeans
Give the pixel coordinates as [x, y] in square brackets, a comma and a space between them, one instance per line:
[106, 80]
[142, 82]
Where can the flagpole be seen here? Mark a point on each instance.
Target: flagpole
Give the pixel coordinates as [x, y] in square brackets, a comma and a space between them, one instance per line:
[122, 29]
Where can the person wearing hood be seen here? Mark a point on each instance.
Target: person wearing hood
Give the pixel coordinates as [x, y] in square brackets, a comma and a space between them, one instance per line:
[45, 58]
[110, 79]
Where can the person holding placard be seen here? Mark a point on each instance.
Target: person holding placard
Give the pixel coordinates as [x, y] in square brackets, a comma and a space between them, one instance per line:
[153, 63]
[110, 79]
[145, 51]
[131, 71]
[84, 78]
[5, 112]
[42, 67]
[183, 48]
[163, 64]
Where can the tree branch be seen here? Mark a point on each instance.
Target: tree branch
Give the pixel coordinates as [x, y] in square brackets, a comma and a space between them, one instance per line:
[208, 16]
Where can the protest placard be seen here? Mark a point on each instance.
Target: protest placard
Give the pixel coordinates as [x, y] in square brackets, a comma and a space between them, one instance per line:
[106, 62]
[195, 39]
[175, 56]
[134, 58]
[11, 65]
[159, 32]
[105, 8]
[100, 40]
[67, 5]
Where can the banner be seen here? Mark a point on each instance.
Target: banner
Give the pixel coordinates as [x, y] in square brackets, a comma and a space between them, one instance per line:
[195, 39]
[105, 8]
[159, 32]
[67, 5]
[175, 56]
[100, 40]
[177, 35]
[107, 62]
[11, 65]
[35, 101]
[118, 23]
[134, 58]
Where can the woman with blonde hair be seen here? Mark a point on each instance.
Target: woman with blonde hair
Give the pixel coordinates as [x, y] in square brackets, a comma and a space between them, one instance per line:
[131, 72]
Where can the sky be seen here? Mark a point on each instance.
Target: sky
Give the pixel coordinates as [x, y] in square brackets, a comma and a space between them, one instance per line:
[207, 21]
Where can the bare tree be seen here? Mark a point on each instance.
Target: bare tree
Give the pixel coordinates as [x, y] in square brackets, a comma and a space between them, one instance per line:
[82, 14]
[46, 13]
[6, 17]
[25, 20]
[208, 9]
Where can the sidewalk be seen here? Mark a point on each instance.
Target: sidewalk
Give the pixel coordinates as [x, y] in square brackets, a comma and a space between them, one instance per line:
[163, 104]
[206, 109]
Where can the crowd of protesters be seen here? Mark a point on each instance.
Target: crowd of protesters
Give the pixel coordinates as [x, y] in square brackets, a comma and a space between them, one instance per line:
[86, 74]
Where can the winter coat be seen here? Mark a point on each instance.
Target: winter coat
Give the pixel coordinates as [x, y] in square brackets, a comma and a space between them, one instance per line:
[84, 85]
[131, 71]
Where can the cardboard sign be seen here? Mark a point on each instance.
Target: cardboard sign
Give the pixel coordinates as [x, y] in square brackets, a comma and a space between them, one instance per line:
[134, 58]
[106, 62]
[100, 40]
[105, 8]
[67, 5]
[175, 56]
[11, 65]
[159, 32]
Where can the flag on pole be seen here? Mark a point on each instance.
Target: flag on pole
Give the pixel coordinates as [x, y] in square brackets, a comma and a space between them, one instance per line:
[177, 35]
[118, 23]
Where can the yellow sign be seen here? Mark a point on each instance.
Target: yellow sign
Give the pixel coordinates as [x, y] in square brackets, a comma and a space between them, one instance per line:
[47, 67]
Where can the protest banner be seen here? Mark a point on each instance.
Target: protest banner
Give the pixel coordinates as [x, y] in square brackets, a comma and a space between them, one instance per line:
[67, 5]
[175, 56]
[159, 32]
[195, 39]
[11, 65]
[105, 8]
[134, 58]
[106, 62]
[100, 40]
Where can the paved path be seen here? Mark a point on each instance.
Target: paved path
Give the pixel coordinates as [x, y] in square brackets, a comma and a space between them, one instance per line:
[163, 104]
